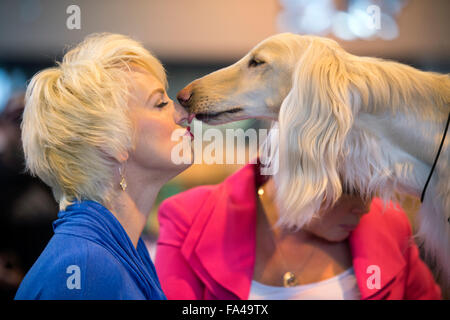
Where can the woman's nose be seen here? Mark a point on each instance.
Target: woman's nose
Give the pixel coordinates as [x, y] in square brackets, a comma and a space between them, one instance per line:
[180, 114]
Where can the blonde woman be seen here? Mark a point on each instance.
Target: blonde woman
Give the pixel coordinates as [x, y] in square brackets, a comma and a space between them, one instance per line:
[97, 129]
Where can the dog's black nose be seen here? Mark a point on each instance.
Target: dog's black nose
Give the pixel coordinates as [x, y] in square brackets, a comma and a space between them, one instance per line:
[184, 96]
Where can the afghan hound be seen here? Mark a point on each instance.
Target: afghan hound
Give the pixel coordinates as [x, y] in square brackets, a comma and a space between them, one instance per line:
[345, 123]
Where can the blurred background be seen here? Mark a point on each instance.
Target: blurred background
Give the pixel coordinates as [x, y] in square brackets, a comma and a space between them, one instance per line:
[191, 38]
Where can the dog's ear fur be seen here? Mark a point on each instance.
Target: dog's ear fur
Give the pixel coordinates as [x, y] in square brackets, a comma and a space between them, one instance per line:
[314, 120]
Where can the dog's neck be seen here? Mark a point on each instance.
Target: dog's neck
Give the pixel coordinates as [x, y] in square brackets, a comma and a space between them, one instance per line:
[395, 153]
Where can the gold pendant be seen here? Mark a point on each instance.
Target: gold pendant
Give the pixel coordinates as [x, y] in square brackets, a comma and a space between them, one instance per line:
[289, 279]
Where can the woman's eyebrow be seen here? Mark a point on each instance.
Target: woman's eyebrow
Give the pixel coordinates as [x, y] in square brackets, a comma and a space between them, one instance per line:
[157, 90]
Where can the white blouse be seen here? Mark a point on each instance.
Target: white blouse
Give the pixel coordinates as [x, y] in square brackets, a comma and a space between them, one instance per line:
[340, 287]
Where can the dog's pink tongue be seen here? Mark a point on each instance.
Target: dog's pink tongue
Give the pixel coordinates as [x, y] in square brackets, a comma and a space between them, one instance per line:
[191, 117]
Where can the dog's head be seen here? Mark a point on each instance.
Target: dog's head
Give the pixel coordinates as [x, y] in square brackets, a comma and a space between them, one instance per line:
[253, 87]
[302, 82]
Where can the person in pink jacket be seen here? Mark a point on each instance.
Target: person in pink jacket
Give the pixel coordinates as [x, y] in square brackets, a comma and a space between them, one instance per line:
[222, 242]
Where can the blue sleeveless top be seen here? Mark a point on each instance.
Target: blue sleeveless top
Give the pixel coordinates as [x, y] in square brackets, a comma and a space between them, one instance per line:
[90, 256]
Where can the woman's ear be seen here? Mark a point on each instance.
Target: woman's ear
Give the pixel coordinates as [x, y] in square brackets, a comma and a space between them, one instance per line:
[115, 155]
[314, 120]
[122, 157]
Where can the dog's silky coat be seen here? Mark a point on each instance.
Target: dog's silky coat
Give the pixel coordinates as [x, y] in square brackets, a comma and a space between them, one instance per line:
[345, 123]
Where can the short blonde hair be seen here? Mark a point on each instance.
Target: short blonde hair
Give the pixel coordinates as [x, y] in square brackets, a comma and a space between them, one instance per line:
[75, 121]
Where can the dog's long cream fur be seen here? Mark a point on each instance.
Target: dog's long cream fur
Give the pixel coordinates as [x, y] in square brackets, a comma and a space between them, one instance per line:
[345, 122]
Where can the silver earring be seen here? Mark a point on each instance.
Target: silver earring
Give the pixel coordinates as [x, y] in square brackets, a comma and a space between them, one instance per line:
[123, 183]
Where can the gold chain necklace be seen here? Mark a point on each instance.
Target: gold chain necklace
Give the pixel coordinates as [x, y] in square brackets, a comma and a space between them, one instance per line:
[289, 277]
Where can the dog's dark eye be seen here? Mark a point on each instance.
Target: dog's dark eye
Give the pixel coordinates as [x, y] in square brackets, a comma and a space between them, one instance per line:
[255, 62]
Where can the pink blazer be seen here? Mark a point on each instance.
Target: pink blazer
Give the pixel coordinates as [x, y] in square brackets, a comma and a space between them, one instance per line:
[206, 247]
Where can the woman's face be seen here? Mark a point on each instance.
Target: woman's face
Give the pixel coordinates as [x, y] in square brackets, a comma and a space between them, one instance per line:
[155, 117]
[336, 223]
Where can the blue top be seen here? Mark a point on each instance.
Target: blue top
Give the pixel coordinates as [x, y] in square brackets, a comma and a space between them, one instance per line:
[90, 256]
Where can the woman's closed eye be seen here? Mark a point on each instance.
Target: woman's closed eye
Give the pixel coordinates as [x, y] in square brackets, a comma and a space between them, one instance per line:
[157, 98]
[161, 104]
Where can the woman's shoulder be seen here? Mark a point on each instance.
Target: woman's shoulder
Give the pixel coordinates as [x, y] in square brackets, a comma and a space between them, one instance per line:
[185, 206]
[72, 267]
[177, 214]
[389, 217]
